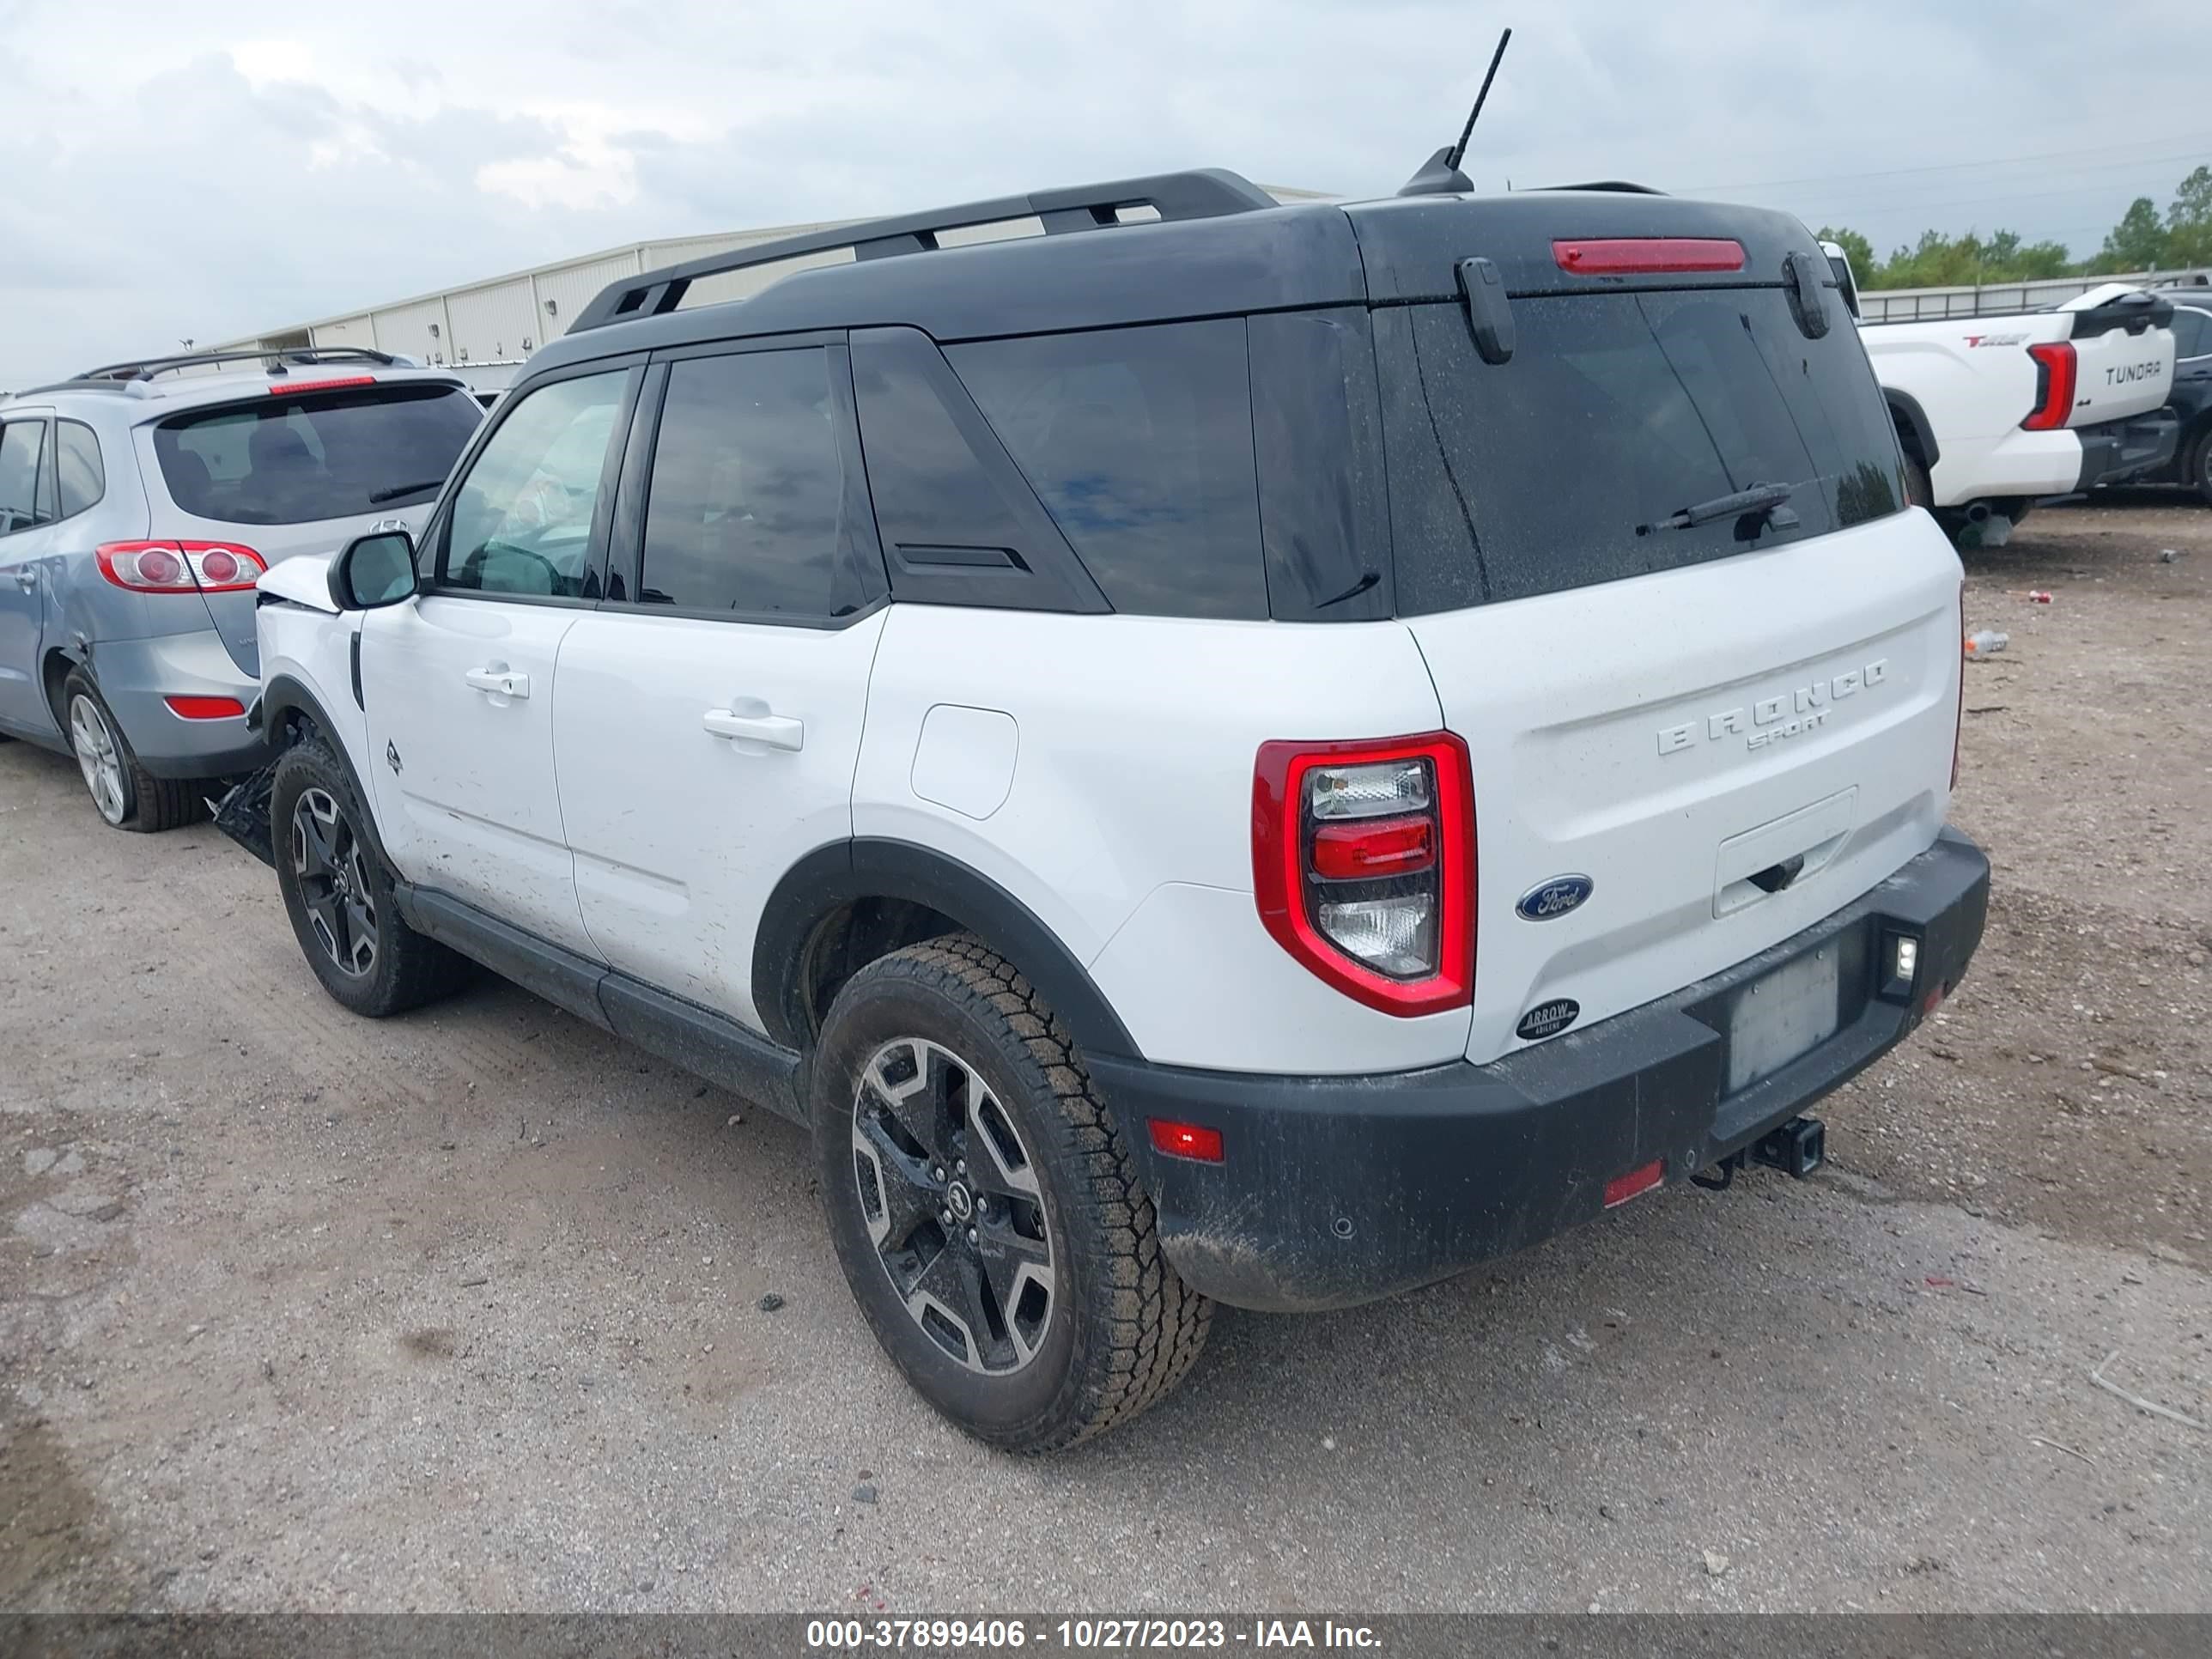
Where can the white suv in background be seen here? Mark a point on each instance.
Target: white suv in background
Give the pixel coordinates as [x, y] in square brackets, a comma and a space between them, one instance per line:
[1267, 754]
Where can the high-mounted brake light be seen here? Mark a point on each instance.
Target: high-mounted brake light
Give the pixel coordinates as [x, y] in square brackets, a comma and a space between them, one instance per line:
[180, 567]
[293, 388]
[2054, 385]
[1363, 864]
[1627, 256]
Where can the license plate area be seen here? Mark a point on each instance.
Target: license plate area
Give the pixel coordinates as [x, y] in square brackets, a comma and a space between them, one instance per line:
[1783, 1016]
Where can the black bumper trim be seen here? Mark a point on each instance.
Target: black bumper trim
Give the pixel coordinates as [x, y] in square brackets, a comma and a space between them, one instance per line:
[1338, 1190]
[2123, 449]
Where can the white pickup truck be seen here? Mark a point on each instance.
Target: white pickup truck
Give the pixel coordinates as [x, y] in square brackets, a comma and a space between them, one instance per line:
[1997, 413]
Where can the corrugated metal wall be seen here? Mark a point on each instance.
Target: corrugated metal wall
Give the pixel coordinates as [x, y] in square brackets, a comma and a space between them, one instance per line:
[569, 288]
[347, 331]
[407, 329]
[494, 322]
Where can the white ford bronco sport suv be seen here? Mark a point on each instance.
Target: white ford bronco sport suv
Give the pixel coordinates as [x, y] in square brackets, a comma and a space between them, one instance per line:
[1233, 752]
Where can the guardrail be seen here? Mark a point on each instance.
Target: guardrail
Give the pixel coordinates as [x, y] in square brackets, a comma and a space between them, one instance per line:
[1912, 305]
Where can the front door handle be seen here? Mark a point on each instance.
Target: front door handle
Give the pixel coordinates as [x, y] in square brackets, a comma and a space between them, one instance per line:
[500, 682]
[777, 731]
[27, 576]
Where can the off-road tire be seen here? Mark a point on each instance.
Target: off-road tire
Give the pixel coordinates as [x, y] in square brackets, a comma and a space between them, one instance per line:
[1124, 1330]
[2199, 474]
[150, 804]
[407, 969]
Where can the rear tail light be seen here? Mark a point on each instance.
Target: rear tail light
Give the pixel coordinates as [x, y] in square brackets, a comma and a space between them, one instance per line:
[1363, 862]
[205, 708]
[1627, 256]
[2054, 386]
[1959, 723]
[180, 567]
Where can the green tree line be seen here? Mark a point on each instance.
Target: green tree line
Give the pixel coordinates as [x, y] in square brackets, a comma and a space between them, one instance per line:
[2142, 240]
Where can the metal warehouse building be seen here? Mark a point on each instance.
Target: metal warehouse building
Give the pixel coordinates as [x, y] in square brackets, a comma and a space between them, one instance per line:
[486, 328]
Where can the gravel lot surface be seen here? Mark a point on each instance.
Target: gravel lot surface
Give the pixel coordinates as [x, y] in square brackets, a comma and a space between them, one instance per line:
[462, 1310]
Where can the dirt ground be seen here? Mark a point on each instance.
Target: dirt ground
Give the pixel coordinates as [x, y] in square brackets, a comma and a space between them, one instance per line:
[463, 1309]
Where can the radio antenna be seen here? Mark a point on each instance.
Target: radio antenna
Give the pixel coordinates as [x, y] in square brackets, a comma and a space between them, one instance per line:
[1440, 174]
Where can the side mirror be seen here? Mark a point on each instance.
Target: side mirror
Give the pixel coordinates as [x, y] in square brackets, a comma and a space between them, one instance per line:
[375, 570]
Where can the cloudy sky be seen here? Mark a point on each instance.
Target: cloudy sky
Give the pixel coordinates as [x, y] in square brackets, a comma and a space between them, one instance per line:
[215, 168]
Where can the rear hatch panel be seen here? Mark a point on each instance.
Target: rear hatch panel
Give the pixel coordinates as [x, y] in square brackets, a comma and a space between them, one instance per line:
[1728, 730]
[284, 472]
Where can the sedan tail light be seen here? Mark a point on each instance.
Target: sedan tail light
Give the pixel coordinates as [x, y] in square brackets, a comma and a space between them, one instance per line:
[2055, 368]
[180, 567]
[1363, 861]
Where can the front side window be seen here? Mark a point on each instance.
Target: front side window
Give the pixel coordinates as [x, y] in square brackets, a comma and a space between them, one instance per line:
[521, 523]
[22, 455]
[76, 458]
[746, 510]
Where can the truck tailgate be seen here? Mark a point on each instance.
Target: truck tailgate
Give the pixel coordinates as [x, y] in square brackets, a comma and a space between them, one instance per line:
[2123, 357]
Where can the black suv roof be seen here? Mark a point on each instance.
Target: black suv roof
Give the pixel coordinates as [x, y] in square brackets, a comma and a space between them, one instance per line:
[1221, 247]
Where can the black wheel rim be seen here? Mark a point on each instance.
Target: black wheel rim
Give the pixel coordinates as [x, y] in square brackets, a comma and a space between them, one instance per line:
[334, 886]
[951, 1202]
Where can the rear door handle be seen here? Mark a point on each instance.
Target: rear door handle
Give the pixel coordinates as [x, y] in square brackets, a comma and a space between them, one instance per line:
[499, 681]
[777, 731]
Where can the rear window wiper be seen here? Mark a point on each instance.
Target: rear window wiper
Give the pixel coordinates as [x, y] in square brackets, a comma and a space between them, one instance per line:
[1760, 500]
[396, 490]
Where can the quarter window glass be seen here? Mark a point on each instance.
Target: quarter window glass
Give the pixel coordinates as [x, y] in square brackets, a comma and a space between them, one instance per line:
[76, 457]
[522, 520]
[745, 512]
[22, 447]
[1139, 441]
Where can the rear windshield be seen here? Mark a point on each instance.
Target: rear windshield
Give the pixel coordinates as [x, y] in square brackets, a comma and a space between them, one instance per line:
[284, 459]
[1560, 467]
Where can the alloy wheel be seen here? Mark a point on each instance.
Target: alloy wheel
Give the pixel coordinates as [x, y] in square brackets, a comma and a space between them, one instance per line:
[951, 1202]
[327, 857]
[99, 757]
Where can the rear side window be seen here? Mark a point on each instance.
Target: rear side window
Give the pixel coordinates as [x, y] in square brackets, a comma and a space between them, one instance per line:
[23, 474]
[77, 458]
[1560, 467]
[2192, 333]
[294, 459]
[746, 512]
[1139, 442]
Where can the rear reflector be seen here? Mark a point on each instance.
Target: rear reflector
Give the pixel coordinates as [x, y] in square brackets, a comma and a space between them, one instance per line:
[1191, 1140]
[205, 708]
[1635, 255]
[290, 388]
[2054, 386]
[1621, 1188]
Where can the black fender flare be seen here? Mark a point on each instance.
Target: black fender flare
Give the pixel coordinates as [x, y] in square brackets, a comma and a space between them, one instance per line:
[1904, 408]
[284, 696]
[832, 876]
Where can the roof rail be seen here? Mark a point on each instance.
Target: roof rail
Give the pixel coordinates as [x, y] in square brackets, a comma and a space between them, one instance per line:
[1201, 194]
[1620, 184]
[145, 369]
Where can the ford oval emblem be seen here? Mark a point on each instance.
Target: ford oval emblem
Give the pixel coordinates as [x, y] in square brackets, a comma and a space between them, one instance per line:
[1548, 1018]
[1555, 897]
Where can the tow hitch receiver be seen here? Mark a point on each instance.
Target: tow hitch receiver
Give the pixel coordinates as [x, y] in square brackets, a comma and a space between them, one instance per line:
[1797, 1148]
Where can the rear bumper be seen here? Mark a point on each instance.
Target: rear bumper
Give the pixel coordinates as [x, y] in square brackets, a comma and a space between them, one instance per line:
[1337, 1190]
[2124, 449]
[137, 676]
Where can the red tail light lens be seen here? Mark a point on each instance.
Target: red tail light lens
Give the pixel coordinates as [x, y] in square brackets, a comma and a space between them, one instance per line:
[1192, 1140]
[1627, 256]
[1363, 863]
[205, 708]
[180, 567]
[2054, 386]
